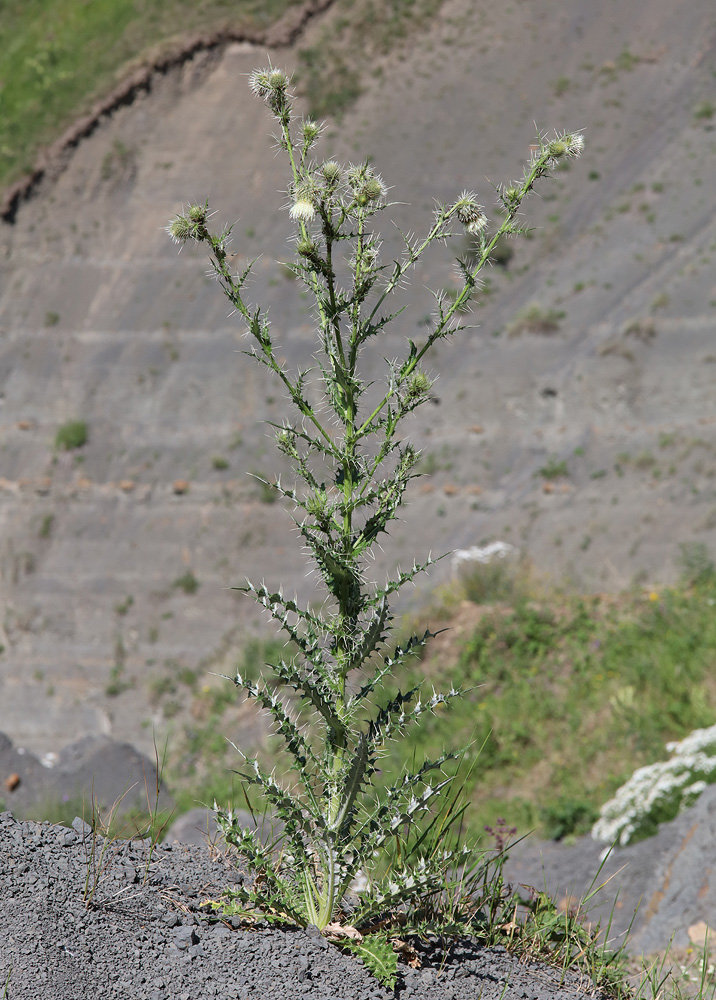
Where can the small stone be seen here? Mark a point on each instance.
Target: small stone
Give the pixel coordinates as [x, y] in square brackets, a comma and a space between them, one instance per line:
[80, 827]
[184, 937]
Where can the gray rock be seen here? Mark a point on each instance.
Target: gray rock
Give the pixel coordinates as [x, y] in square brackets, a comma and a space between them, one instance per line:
[94, 769]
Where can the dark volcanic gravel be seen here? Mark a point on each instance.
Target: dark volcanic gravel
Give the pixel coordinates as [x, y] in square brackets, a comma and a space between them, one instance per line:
[144, 937]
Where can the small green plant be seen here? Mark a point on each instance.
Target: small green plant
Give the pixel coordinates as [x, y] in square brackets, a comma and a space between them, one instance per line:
[219, 463]
[704, 110]
[52, 318]
[567, 817]
[352, 470]
[554, 469]
[123, 607]
[118, 161]
[46, 526]
[561, 85]
[101, 834]
[493, 582]
[697, 566]
[535, 319]
[187, 582]
[71, 435]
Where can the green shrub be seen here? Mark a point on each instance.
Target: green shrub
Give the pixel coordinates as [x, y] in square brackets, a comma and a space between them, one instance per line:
[71, 435]
[554, 469]
[187, 582]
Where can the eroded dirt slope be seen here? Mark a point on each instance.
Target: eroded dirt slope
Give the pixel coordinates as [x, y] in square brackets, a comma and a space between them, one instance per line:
[101, 321]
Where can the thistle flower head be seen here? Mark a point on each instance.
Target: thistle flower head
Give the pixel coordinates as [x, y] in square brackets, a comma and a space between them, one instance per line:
[417, 385]
[305, 197]
[306, 247]
[265, 81]
[179, 229]
[302, 210]
[331, 171]
[197, 213]
[568, 145]
[470, 213]
[311, 131]
[511, 196]
[366, 185]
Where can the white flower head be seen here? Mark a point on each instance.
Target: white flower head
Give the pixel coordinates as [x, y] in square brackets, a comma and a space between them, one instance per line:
[470, 213]
[576, 143]
[302, 210]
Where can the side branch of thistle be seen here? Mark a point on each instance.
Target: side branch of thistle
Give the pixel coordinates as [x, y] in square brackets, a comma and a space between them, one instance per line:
[351, 472]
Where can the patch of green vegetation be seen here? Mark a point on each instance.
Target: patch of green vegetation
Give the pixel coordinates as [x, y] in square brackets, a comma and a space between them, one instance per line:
[46, 526]
[187, 582]
[644, 461]
[554, 469]
[159, 688]
[552, 705]
[495, 582]
[123, 607]
[71, 435]
[626, 60]
[118, 161]
[202, 756]
[561, 85]
[117, 683]
[56, 56]
[331, 72]
[344, 89]
[704, 109]
[219, 463]
[535, 319]
[52, 318]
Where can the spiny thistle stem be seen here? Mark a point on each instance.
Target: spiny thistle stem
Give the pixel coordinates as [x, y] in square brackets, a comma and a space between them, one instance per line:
[336, 822]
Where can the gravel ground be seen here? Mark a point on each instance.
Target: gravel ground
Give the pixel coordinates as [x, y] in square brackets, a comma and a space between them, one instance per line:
[144, 937]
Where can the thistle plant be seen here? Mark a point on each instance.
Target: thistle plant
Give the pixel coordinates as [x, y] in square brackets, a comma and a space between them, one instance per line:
[352, 469]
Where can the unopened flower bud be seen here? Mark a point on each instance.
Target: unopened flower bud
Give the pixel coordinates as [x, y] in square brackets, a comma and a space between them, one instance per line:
[373, 189]
[180, 229]
[197, 213]
[511, 197]
[311, 131]
[331, 171]
[306, 248]
[418, 385]
[278, 80]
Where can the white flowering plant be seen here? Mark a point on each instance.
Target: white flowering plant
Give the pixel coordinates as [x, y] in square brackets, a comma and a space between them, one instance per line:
[659, 792]
[351, 472]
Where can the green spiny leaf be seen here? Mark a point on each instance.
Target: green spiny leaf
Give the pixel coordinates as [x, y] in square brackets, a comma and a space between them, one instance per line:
[379, 957]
